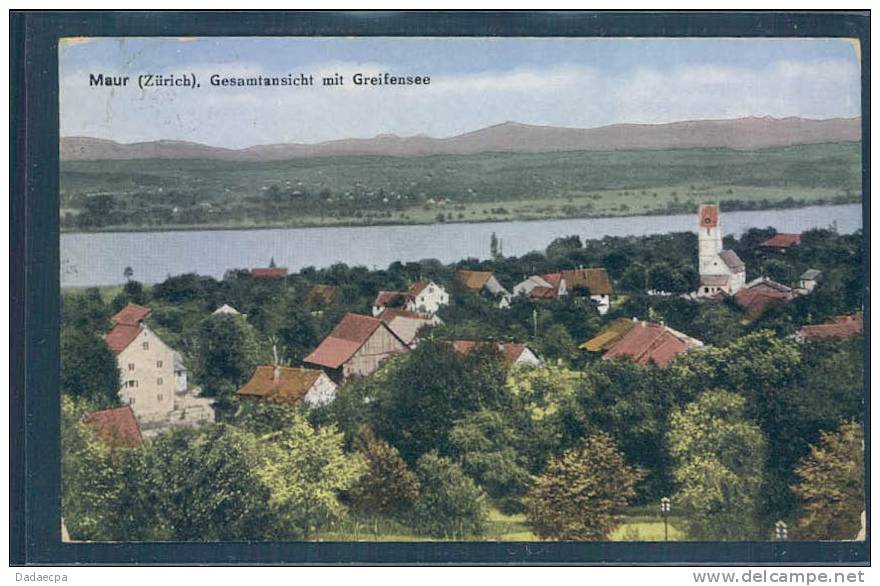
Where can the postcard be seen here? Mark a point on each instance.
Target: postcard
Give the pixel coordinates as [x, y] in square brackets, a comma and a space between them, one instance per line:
[461, 289]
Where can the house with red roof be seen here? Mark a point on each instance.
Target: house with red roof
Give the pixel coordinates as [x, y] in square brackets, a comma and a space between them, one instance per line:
[356, 347]
[839, 327]
[153, 378]
[592, 282]
[515, 353]
[781, 242]
[270, 273]
[118, 428]
[289, 386]
[650, 343]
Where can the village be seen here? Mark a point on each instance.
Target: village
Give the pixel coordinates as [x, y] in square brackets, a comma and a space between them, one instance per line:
[651, 318]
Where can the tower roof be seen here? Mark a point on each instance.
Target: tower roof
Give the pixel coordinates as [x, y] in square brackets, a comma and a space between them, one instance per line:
[708, 216]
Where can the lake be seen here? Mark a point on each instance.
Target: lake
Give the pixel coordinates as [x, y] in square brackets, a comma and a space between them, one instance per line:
[98, 259]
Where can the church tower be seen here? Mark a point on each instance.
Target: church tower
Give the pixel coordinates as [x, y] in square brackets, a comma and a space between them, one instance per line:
[709, 232]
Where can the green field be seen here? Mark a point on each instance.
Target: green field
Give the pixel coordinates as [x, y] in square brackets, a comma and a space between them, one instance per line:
[200, 194]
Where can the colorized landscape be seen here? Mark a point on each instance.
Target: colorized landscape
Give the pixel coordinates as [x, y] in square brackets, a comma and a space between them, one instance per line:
[635, 314]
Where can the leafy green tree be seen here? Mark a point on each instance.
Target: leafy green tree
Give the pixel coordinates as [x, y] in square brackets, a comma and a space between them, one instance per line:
[388, 488]
[88, 368]
[195, 484]
[450, 504]
[432, 386]
[487, 447]
[832, 485]
[305, 471]
[85, 311]
[90, 482]
[557, 344]
[719, 459]
[226, 354]
[580, 495]
[298, 334]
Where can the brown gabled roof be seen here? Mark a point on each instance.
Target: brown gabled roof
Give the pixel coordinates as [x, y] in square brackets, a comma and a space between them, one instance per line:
[323, 295]
[270, 273]
[708, 216]
[544, 293]
[596, 280]
[290, 387]
[648, 343]
[755, 302]
[475, 280]
[841, 326]
[782, 241]
[417, 287]
[733, 261]
[118, 428]
[131, 315]
[121, 336]
[385, 298]
[389, 313]
[511, 350]
[608, 335]
[714, 280]
[346, 339]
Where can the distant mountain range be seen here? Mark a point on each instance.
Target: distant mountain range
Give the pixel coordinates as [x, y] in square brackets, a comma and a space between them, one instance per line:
[511, 137]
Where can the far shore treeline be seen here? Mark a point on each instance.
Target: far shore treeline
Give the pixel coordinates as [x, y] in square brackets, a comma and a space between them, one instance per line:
[161, 194]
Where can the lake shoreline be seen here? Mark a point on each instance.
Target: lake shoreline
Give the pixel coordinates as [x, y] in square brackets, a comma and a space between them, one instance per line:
[519, 218]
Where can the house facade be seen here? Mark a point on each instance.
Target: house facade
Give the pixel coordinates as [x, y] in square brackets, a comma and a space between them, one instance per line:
[721, 271]
[356, 348]
[153, 379]
[424, 297]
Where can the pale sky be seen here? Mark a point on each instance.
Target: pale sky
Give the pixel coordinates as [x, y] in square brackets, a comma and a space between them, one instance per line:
[475, 82]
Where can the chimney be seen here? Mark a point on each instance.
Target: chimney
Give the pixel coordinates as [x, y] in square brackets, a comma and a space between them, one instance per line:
[276, 372]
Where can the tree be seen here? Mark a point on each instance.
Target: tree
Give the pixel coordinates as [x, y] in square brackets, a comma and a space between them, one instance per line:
[493, 247]
[581, 494]
[305, 470]
[832, 485]
[88, 368]
[226, 354]
[450, 504]
[388, 488]
[298, 333]
[432, 386]
[195, 484]
[487, 449]
[90, 483]
[718, 462]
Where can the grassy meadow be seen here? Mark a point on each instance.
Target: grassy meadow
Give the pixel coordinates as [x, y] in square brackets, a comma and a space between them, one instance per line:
[202, 194]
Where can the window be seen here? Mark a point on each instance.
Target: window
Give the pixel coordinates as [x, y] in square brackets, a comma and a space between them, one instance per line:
[131, 400]
[131, 366]
[146, 345]
[158, 364]
[160, 381]
[159, 397]
[132, 384]
[705, 289]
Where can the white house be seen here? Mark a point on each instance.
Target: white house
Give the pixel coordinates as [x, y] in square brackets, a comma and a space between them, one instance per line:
[425, 297]
[721, 271]
[153, 379]
[428, 297]
[226, 309]
[809, 280]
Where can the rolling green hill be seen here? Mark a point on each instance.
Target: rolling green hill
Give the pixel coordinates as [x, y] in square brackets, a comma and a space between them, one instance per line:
[188, 194]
